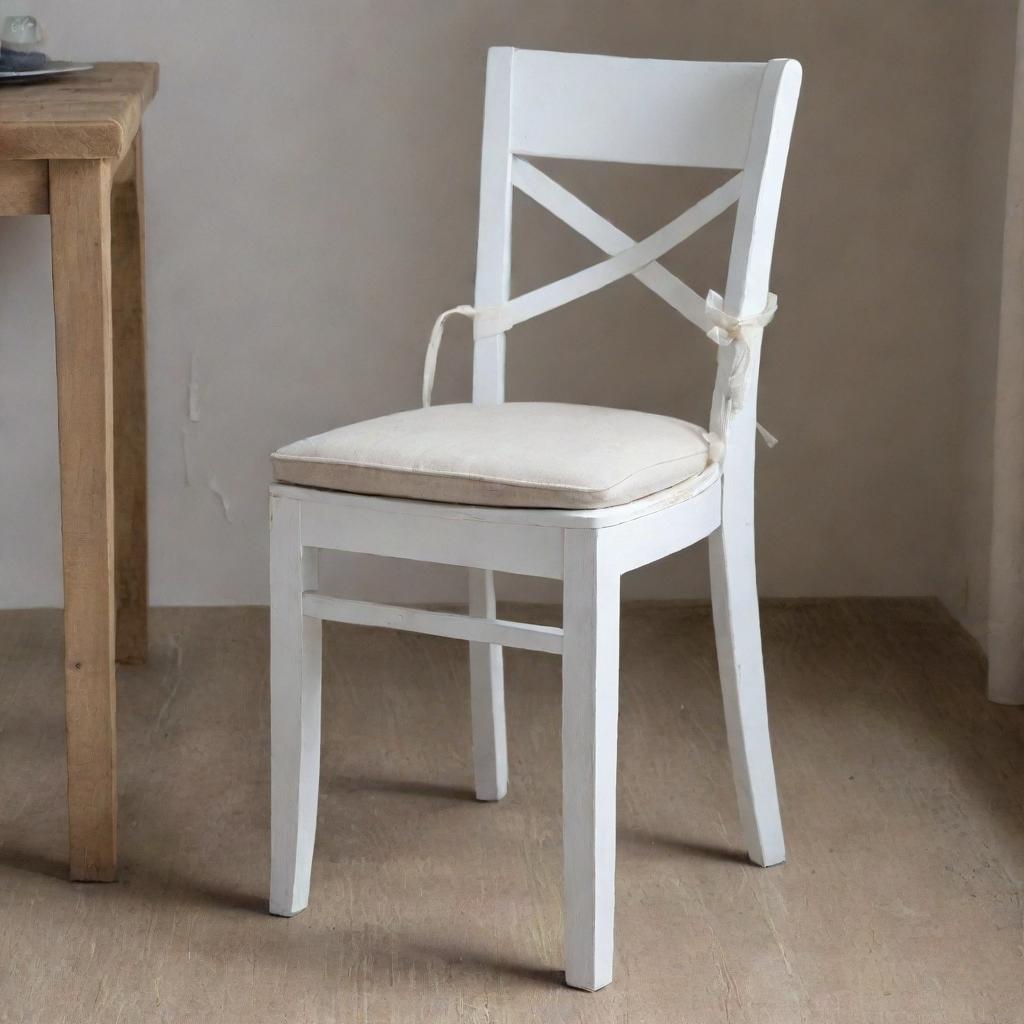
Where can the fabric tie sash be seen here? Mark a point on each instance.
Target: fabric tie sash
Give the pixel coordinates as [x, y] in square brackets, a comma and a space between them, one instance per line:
[726, 331]
[731, 331]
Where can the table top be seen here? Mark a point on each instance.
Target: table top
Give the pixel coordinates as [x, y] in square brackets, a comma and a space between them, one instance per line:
[87, 115]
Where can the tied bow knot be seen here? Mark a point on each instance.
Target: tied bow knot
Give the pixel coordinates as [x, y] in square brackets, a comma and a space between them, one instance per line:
[731, 331]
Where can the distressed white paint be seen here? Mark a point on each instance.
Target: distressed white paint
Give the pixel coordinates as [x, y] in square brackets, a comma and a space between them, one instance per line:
[589, 551]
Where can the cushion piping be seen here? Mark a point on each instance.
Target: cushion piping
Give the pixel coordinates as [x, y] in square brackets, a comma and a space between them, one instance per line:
[480, 478]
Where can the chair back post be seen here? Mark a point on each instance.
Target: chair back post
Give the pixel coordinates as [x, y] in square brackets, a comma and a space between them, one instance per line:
[746, 292]
[494, 242]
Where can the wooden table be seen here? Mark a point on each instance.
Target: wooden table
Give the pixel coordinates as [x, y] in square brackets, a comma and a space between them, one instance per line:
[72, 147]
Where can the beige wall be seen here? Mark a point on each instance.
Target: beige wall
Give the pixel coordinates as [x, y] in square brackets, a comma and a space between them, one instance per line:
[986, 142]
[312, 188]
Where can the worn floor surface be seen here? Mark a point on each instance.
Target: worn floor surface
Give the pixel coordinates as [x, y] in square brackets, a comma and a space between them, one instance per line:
[902, 796]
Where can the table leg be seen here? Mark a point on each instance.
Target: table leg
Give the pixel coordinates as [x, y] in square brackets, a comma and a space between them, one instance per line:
[129, 320]
[80, 228]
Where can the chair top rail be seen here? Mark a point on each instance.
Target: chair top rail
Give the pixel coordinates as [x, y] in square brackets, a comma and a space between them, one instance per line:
[623, 110]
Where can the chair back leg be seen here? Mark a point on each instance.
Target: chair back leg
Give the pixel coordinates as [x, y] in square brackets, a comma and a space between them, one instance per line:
[741, 667]
[295, 670]
[590, 709]
[487, 697]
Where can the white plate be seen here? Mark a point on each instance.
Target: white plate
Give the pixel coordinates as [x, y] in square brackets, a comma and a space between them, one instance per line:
[52, 67]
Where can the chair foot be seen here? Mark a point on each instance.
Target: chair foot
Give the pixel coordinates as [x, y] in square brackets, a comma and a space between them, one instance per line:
[770, 855]
[588, 981]
[489, 795]
[286, 909]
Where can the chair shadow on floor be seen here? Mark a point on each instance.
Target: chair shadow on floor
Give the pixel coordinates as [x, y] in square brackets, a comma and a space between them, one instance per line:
[176, 886]
[532, 973]
[646, 838]
[632, 835]
[399, 787]
[180, 888]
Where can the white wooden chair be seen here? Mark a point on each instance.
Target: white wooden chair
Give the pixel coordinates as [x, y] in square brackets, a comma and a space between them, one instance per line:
[564, 492]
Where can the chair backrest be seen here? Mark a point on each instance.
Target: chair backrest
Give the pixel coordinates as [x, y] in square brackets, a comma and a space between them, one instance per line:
[674, 113]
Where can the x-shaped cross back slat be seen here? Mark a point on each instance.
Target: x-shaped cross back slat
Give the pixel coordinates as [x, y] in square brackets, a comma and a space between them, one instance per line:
[626, 256]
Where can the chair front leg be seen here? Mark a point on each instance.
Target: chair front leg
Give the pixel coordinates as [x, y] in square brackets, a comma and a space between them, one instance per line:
[487, 697]
[590, 708]
[295, 671]
[741, 667]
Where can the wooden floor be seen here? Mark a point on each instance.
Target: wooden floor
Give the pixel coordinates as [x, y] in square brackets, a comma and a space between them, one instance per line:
[902, 796]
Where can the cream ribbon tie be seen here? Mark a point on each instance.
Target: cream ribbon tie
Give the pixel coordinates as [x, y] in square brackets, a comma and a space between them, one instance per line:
[726, 330]
[731, 331]
[436, 334]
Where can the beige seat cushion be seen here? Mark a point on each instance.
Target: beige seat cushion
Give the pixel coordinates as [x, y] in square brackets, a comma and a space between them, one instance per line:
[515, 455]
